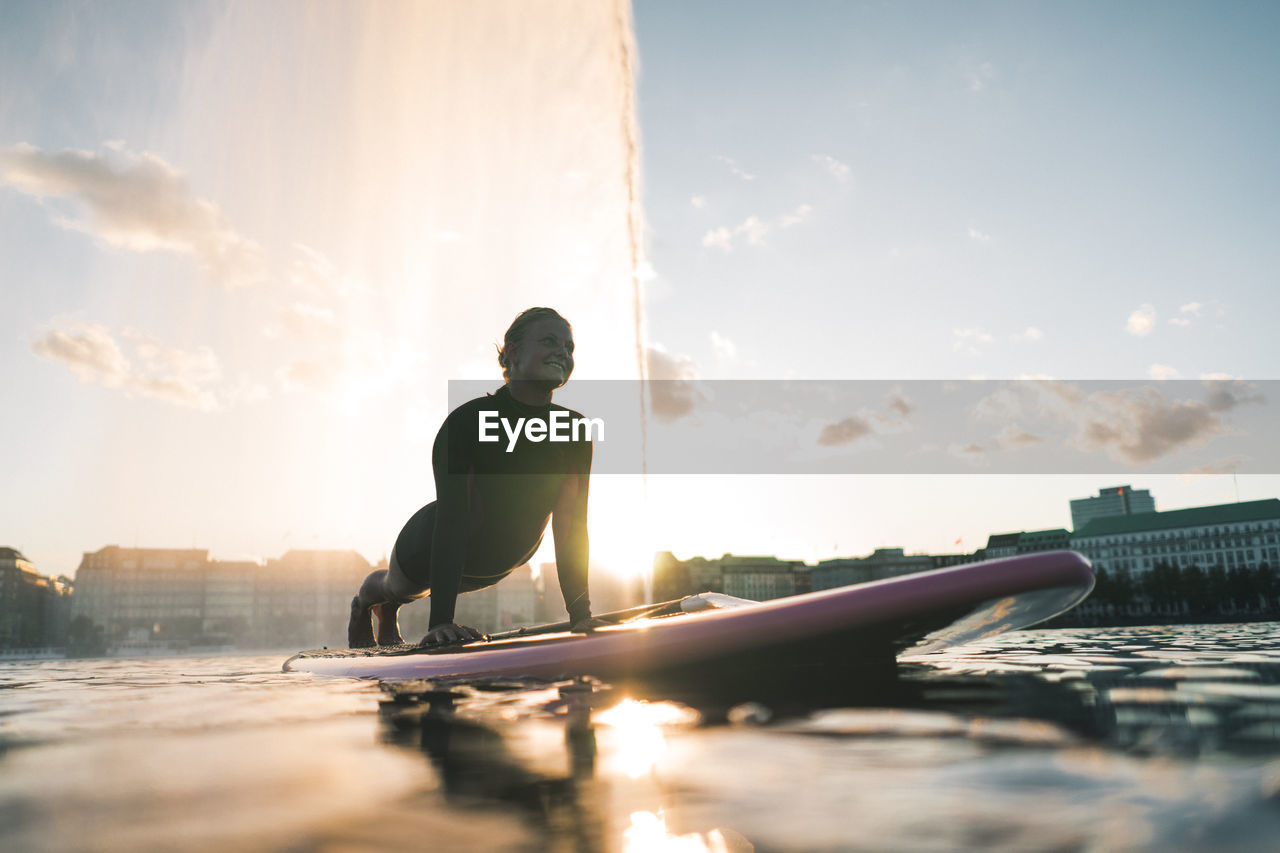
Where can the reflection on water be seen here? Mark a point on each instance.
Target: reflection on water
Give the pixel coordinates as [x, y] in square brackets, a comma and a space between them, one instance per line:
[1116, 739]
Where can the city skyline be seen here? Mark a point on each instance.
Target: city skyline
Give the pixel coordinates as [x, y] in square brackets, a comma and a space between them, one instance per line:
[240, 270]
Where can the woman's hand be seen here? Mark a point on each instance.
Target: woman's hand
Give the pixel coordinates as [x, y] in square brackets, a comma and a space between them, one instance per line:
[450, 633]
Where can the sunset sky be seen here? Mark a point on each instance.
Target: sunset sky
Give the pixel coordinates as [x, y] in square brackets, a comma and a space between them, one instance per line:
[243, 247]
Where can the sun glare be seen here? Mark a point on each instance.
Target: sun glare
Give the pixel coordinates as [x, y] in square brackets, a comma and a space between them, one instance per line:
[638, 742]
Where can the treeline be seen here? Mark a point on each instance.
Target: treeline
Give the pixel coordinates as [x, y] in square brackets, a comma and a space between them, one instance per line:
[1177, 594]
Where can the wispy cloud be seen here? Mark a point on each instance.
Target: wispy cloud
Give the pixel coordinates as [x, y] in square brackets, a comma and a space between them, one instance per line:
[1014, 437]
[1186, 312]
[1131, 425]
[753, 229]
[135, 202]
[838, 170]
[182, 377]
[1141, 321]
[895, 418]
[980, 76]
[736, 169]
[1229, 465]
[719, 238]
[979, 236]
[304, 320]
[1162, 372]
[1029, 335]
[725, 349]
[969, 341]
[674, 392]
[795, 217]
[698, 201]
[845, 431]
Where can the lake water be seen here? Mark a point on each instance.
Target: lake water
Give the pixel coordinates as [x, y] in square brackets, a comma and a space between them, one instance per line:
[1161, 738]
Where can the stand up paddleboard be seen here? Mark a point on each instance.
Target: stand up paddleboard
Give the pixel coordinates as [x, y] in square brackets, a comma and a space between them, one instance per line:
[849, 630]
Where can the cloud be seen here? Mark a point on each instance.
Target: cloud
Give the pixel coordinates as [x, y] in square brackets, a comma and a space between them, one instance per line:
[1131, 425]
[753, 229]
[974, 454]
[304, 320]
[845, 431]
[969, 340]
[975, 234]
[1142, 321]
[1029, 335]
[673, 392]
[737, 170]
[1014, 437]
[979, 77]
[698, 201]
[1162, 372]
[1191, 309]
[719, 238]
[840, 171]
[135, 202]
[800, 214]
[1220, 466]
[900, 404]
[1226, 394]
[725, 349]
[895, 419]
[307, 375]
[91, 352]
[313, 271]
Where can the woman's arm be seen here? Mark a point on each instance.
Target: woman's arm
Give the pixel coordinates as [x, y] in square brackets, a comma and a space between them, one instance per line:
[448, 539]
[569, 527]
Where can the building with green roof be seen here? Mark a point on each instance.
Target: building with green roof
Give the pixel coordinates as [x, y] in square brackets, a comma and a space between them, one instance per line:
[1239, 535]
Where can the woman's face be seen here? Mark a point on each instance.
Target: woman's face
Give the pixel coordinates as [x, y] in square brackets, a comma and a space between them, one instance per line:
[544, 354]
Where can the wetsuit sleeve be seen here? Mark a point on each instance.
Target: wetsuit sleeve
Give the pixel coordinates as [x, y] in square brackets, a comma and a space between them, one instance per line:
[452, 466]
[569, 527]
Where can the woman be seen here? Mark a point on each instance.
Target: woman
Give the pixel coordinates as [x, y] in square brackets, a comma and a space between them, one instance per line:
[492, 504]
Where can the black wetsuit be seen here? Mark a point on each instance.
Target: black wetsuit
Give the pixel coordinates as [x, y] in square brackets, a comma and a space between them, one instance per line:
[492, 507]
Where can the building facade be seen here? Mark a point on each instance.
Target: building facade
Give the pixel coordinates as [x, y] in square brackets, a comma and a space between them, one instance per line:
[1117, 500]
[759, 578]
[146, 597]
[1026, 542]
[34, 609]
[1239, 535]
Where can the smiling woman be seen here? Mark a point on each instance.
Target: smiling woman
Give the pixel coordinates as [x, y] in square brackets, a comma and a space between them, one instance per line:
[492, 504]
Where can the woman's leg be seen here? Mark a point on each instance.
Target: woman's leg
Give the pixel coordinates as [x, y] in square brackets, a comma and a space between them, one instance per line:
[382, 594]
[384, 591]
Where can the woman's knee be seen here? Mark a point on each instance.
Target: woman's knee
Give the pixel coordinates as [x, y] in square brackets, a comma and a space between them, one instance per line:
[400, 587]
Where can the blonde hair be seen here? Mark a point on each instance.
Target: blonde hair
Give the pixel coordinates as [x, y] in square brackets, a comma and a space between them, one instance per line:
[515, 333]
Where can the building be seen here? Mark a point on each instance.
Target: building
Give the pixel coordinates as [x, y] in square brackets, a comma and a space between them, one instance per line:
[303, 598]
[878, 565]
[674, 578]
[142, 595]
[1026, 542]
[148, 597]
[759, 578]
[34, 609]
[1117, 500]
[1239, 535]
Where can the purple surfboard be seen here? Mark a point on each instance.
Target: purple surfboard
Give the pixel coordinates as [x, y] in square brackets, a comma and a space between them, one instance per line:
[847, 627]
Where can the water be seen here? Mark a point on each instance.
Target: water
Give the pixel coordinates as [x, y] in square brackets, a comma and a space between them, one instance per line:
[1089, 739]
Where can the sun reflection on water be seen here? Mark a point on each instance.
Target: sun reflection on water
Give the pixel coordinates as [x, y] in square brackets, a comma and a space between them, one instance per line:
[648, 833]
[638, 742]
